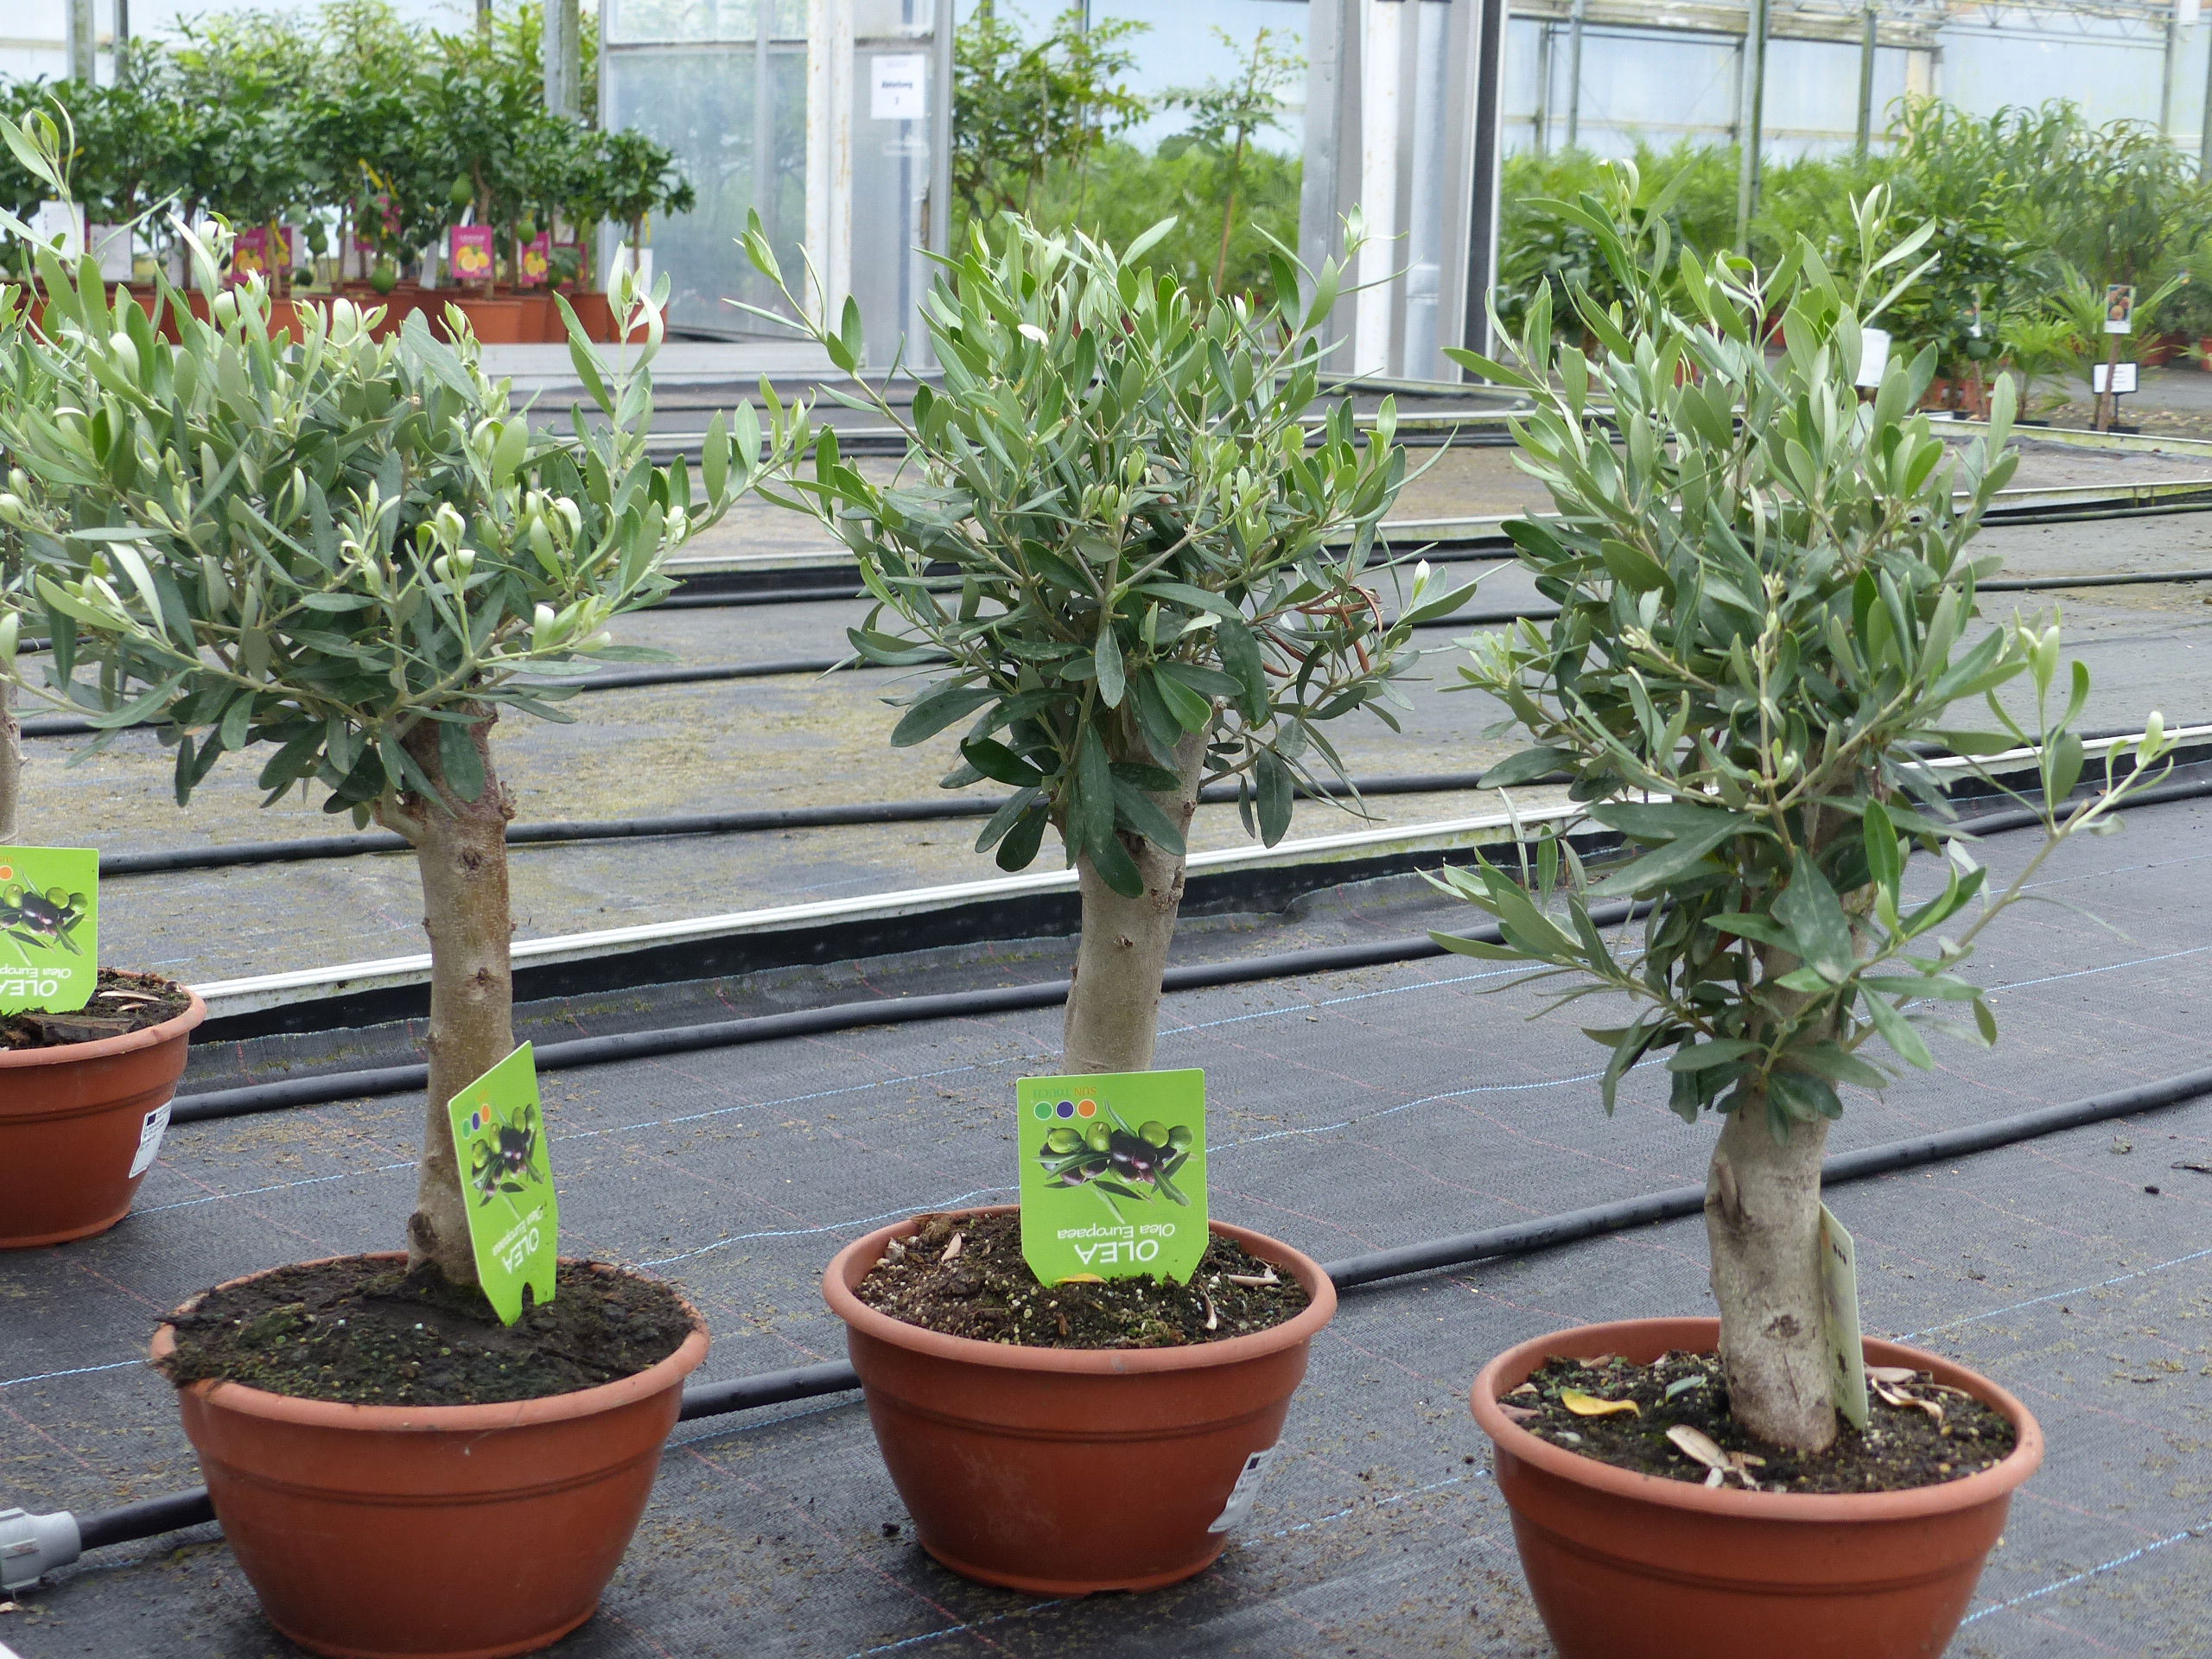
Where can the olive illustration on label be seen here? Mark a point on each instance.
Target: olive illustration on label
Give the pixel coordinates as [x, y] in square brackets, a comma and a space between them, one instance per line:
[30, 917]
[1119, 1161]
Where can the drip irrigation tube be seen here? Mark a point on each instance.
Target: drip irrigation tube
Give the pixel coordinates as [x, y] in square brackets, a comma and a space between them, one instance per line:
[161, 1514]
[709, 824]
[632, 679]
[248, 1099]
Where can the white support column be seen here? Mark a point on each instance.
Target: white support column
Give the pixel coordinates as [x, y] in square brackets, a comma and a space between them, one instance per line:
[829, 154]
[1379, 256]
[1425, 232]
[562, 50]
[82, 41]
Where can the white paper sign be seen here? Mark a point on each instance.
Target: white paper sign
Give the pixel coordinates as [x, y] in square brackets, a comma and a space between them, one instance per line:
[899, 86]
[111, 247]
[1839, 1297]
[150, 1140]
[1873, 357]
[60, 225]
[2123, 377]
[2187, 13]
[1245, 1492]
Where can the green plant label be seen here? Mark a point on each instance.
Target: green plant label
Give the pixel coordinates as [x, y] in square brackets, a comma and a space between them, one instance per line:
[49, 928]
[514, 1221]
[1839, 1305]
[1113, 1175]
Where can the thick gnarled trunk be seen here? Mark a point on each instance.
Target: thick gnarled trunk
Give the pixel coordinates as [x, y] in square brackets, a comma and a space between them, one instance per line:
[1113, 1007]
[11, 765]
[1762, 1221]
[461, 853]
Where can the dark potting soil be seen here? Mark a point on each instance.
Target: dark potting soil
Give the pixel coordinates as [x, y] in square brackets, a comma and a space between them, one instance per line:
[965, 1275]
[369, 1332]
[1935, 1435]
[123, 1003]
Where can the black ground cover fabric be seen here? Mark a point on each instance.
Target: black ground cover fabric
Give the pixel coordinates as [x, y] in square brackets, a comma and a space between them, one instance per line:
[1350, 1111]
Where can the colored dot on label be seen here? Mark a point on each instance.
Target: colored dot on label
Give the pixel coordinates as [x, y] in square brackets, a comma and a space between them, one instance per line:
[1066, 1109]
[1042, 1109]
[1086, 1108]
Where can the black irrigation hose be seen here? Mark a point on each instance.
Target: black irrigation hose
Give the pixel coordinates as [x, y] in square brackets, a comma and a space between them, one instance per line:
[637, 678]
[247, 1099]
[161, 1514]
[708, 823]
[802, 1022]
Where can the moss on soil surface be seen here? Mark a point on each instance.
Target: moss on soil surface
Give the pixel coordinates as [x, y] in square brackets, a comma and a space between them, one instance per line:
[984, 1289]
[369, 1332]
[1904, 1445]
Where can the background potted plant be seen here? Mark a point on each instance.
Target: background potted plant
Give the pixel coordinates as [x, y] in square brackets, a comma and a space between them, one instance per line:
[1766, 592]
[1156, 582]
[83, 1096]
[370, 637]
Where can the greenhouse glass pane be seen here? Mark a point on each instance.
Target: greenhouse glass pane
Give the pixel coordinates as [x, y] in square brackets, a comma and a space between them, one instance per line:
[702, 101]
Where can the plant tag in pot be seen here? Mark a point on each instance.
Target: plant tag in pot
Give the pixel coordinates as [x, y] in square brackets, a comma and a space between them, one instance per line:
[1113, 1174]
[514, 1220]
[49, 928]
[1840, 1303]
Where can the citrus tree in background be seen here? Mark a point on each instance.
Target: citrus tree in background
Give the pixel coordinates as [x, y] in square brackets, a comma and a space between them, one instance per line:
[354, 556]
[1020, 107]
[1767, 608]
[1158, 581]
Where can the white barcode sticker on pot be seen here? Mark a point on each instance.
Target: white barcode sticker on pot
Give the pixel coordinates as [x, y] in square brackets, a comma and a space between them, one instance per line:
[150, 1140]
[1245, 1492]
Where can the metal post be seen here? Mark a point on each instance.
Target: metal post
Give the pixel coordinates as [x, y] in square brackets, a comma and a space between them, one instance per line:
[484, 18]
[2168, 65]
[1489, 148]
[1866, 45]
[1541, 120]
[122, 37]
[83, 43]
[1379, 133]
[564, 52]
[2204, 120]
[1425, 231]
[1753, 126]
[1575, 72]
[763, 186]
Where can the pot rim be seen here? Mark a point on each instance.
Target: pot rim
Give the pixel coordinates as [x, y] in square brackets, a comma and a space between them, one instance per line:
[850, 1265]
[249, 1401]
[1514, 1366]
[103, 1048]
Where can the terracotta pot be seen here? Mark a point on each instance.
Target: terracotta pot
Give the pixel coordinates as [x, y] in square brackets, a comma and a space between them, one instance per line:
[78, 1128]
[1627, 1566]
[1067, 1470]
[463, 1532]
[596, 314]
[494, 322]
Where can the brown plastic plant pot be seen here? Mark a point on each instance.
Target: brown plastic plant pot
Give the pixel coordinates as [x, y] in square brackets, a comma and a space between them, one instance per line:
[72, 1122]
[1068, 1471]
[432, 1532]
[1629, 1565]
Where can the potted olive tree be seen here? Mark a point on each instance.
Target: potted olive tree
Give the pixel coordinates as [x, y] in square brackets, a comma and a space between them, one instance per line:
[1768, 612]
[84, 1090]
[1157, 580]
[353, 554]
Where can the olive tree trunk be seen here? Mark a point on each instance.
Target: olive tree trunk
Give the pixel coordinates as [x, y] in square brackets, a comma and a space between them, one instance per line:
[1114, 1004]
[11, 762]
[461, 853]
[1762, 1222]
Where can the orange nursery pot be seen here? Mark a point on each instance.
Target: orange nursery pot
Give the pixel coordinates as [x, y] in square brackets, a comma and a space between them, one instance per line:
[1060, 1470]
[432, 1532]
[1629, 1565]
[79, 1124]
